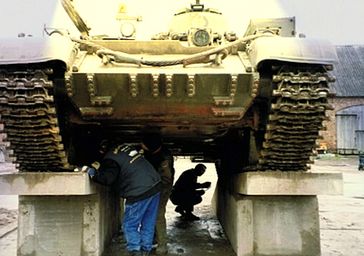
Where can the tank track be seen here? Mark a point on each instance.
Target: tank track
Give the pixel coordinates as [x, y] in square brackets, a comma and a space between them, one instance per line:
[28, 121]
[300, 99]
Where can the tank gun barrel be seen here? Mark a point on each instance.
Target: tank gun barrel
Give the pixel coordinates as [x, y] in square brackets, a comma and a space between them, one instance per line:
[76, 18]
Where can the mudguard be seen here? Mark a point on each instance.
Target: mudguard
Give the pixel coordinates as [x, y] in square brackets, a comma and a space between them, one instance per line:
[25, 50]
[290, 49]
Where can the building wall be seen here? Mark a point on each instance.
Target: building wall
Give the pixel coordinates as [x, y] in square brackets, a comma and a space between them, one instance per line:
[329, 136]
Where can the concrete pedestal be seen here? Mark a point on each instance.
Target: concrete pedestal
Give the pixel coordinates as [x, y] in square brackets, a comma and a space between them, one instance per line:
[274, 213]
[62, 213]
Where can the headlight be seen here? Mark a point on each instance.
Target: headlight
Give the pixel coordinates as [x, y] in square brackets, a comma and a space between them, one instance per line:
[127, 29]
[201, 37]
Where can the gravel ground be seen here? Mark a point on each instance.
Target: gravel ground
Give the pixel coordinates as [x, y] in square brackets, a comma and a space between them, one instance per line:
[341, 217]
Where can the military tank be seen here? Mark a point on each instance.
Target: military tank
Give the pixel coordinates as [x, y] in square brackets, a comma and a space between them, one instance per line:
[255, 102]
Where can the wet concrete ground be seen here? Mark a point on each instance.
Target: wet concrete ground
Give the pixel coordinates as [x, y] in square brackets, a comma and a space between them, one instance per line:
[197, 238]
[341, 218]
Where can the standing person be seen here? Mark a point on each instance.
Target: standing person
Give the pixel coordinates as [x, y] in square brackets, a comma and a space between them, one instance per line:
[162, 160]
[187, 192]
[138, 182]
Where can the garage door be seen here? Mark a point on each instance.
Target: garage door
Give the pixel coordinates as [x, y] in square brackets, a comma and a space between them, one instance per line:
[346, 125]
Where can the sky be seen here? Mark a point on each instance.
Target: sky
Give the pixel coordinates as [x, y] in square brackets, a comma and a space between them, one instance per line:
[339, 21]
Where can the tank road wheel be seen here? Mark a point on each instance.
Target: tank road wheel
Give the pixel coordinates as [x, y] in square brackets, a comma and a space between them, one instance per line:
[29, 121]
[297, 113]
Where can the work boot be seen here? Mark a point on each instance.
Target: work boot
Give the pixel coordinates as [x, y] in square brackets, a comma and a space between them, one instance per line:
[154, 245]
[189, 216]
[161, 250]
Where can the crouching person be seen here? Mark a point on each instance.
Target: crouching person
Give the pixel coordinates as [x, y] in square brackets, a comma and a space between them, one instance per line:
[137, 181]
[187, 192]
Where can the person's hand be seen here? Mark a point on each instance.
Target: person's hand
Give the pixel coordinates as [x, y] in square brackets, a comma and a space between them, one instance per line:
[81, 169]
[200, 192]
[206, 184]
[91, 172]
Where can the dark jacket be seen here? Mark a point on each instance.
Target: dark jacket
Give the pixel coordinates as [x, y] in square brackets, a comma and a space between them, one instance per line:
[129, 173]
[163, 162]
[187, 182]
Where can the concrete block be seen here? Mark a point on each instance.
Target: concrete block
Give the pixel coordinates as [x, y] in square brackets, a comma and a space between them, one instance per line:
[269, 225]
[66, 225]
[288, 183]
[46, 183]
[286, 225]
[62, 213]
[237, 221]
[49, 226]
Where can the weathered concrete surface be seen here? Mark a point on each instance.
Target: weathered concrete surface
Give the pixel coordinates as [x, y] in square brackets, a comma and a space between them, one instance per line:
[66, 225]
[46, 183]
[61, 213]
[274, 213]
[288, 183]
[269, 225]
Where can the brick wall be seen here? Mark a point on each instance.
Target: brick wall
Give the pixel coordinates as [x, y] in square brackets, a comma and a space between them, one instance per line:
[329, 136]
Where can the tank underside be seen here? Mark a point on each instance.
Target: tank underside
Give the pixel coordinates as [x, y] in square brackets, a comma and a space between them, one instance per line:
[242, 121]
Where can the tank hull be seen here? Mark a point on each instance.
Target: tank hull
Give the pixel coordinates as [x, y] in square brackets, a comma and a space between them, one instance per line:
[244, 104]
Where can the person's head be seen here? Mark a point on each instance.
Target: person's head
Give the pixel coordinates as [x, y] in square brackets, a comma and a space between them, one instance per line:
[200, 169]
[104, 146]
[101, 148]
[152, 142]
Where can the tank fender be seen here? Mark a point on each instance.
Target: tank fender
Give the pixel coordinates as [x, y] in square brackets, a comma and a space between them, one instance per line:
[289, 49]
[25, 50]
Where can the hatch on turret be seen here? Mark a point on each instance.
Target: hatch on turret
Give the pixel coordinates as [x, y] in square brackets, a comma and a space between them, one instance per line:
[198, 26]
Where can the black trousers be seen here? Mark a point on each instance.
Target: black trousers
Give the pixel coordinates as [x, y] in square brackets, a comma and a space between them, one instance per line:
[186, 199]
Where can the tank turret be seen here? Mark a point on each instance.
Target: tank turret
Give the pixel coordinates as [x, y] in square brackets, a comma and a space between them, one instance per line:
[198, 26]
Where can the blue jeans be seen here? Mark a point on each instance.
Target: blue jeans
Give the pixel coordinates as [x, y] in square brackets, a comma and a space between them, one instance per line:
[139, 223]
